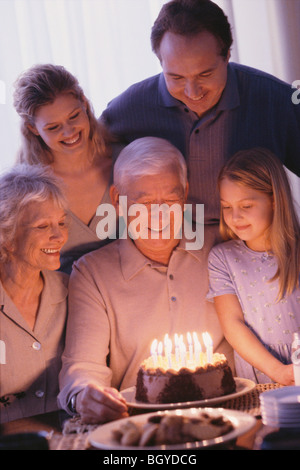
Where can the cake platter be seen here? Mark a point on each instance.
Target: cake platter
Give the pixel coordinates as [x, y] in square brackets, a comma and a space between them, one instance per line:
[103, 436]
[242, 386]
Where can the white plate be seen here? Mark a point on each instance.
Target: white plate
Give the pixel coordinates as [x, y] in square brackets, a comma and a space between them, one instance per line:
[278, 407]
[285, 396]
[280, 417]
[102, 437]
[242, 386]
[279, 424]
[278, 413]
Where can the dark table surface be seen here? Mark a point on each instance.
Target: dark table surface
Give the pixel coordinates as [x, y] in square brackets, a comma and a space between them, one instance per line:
[53, 424]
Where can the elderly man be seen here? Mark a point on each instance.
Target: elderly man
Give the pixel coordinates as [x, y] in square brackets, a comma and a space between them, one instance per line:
[137, 288]
[208, 107]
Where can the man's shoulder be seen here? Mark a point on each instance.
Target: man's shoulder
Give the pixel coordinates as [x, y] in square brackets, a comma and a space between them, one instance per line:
[101, 258]
[143, 89]
[256, 76]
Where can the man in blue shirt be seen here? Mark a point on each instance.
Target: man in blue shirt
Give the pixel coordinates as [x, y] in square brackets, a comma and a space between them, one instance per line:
[206, 106]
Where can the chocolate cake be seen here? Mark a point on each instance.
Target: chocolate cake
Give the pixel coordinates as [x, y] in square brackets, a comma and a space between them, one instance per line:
[164, 384]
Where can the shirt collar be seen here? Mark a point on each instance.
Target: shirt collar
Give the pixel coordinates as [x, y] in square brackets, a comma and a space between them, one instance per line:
[133, 261]
[55, 286]
[190, 245]
[55, 290]
[230, 98]
[165, 99]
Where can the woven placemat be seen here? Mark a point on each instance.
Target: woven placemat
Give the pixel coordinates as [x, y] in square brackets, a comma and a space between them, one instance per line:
[68, 441]
[249, 402]
[74, 435]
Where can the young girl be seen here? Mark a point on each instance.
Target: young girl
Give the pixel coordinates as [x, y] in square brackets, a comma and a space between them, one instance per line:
[254, 277]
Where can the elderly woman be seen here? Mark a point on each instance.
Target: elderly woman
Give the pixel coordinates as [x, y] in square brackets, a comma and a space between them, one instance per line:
[135, 289]
[33, 295]
[59, 129]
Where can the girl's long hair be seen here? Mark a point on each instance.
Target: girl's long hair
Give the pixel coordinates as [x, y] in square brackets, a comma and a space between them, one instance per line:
[261, 170]
[38, 86]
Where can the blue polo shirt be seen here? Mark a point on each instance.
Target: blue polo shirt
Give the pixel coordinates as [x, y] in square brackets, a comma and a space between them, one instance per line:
[255, 110]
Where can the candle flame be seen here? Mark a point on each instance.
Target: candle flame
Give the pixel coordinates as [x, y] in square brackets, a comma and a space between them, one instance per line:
[195, 354]
[182, 349]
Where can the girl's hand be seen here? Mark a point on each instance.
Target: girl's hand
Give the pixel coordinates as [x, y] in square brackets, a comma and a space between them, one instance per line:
[284, 374]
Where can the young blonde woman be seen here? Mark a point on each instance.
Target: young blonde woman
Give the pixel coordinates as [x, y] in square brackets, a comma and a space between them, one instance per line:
[254, 275]
[59, 129]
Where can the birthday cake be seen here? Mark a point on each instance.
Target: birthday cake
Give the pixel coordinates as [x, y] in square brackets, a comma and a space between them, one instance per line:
[169, 381]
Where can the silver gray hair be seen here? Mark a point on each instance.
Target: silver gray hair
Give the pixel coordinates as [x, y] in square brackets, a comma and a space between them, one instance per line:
[148, 156]
[19, 186]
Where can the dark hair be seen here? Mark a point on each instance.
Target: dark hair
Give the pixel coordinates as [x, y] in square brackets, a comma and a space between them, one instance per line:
[190, 17]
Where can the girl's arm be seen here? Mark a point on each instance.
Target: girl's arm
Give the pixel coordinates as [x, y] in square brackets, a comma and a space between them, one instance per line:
[246, 344]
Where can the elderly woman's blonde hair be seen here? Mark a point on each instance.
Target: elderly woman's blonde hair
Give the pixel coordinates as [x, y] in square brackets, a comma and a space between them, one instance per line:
[261, 170]
[41, 85]
[19, 186]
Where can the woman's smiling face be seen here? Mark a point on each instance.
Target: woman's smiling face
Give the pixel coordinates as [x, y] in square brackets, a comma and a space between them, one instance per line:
[41, 233]
[63, 125]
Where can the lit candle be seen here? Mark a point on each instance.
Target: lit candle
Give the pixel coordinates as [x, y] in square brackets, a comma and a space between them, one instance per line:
[154, 352]
[209, 346]
[168, 349]
[166, 340]
[189, 338]
[160, 351]
[182, 349]
[176, 348]
[195, 337]
[197, 348]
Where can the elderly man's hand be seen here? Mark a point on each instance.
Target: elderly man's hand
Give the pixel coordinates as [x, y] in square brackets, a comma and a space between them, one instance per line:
[97, 404]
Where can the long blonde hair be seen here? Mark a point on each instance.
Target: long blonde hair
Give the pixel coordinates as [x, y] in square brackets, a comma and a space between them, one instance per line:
[38, 86]
[261, 170]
